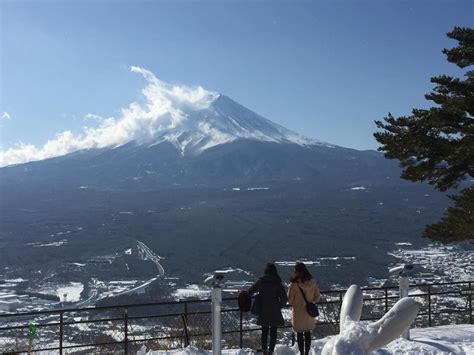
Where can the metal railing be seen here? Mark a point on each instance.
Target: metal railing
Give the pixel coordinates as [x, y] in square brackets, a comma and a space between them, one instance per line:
[170, 325]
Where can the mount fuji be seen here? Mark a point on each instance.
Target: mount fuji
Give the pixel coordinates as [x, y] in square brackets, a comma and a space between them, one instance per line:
[213, 142]
[225, 121]
[198, 177]
[187, 136]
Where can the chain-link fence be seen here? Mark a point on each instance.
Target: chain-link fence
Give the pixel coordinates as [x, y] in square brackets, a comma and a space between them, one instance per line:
[171, 325]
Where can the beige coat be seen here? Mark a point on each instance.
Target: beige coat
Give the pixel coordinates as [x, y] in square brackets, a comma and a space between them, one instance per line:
[301, 320]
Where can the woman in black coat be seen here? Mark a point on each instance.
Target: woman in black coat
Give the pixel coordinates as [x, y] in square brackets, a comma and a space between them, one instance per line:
[272, 299]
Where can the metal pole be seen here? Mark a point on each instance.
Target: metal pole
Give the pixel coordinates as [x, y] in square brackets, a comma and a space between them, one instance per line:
[241, 340]
[126, 331]
[340, 308]
[186, 343]
[429, 305]
[470, 304]
[216, 297]
[186, 333]
[403, 286]
[61, 319]
[186, 311]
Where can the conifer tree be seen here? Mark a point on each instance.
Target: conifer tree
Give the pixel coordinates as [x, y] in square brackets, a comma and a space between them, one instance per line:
[437, 144]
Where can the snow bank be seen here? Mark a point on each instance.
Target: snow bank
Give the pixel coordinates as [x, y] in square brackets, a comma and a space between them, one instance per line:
[457, 339]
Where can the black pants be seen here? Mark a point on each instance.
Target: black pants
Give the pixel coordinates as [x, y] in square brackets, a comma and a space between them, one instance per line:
[273, 338]
[304, 342]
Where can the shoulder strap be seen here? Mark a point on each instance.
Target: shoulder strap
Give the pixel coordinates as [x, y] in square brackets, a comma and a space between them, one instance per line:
[302, 292]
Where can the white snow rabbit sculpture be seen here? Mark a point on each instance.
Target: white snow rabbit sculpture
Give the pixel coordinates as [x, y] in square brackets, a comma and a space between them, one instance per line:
[357, 338]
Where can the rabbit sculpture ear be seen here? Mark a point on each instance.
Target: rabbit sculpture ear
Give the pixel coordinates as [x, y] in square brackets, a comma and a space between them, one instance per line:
[351, 306]
[393, 323]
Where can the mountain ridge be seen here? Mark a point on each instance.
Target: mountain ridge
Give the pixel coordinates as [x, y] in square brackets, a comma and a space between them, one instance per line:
[225, 121]
[204, 140]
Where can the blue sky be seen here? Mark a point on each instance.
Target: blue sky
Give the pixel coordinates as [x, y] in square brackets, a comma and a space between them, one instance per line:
[324, 69]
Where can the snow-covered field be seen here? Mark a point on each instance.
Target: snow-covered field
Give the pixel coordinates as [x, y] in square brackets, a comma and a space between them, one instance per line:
[70, 292]
[438, 263]
[452, 339]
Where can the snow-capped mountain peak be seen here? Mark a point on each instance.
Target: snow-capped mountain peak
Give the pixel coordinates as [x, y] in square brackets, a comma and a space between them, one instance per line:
[224, 121]
[190, 117]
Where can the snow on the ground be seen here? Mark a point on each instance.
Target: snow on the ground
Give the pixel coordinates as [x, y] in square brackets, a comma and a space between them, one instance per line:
[47, 244]
[450, 339]
[444, 263]
[192, 291]
[70, 292]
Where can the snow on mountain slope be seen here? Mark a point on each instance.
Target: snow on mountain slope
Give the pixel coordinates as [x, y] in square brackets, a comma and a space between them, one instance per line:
[222, 122]
[193, 119]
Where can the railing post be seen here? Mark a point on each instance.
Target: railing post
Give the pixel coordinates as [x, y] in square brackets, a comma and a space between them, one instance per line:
[184, 317]
[241, 339]
[125, 319]
[187, 341]
[61, 324]
[429, 305]
[186, 310]
[185, 332]
[470, 303]
[386, 299]
[340, 308]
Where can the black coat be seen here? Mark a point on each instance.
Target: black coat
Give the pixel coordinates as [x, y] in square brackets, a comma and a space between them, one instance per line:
[273, 298]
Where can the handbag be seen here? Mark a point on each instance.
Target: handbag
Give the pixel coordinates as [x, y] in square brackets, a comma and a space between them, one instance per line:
[245, 301]
[311, 308]
[256, 305]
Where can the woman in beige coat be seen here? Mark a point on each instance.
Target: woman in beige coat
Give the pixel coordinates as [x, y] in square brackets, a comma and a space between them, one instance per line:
[302, 322]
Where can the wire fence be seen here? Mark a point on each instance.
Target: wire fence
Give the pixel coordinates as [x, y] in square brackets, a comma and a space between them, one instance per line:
[171, 325]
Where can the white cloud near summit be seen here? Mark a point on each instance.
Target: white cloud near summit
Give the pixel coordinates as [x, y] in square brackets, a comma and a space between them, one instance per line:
[165, 106]
[5, 116]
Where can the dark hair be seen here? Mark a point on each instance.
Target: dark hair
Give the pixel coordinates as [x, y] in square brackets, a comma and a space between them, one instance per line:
[301, 273]
[270, 269]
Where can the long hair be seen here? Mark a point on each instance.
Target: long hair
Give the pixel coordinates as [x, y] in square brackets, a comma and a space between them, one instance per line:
[301, 273]
[270, 269]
